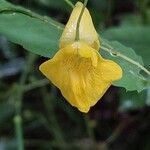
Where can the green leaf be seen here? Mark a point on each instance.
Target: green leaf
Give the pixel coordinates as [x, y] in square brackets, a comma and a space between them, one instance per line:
[137, 37]
[37, 34]
[132, 79]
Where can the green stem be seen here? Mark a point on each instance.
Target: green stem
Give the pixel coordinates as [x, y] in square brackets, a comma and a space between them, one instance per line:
[77, 38]
[69, 3]
[35, 84]
[18, 105]
[19, 132]
[115, 134]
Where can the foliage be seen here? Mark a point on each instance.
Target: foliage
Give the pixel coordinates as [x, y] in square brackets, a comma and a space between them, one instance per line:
[132, 36]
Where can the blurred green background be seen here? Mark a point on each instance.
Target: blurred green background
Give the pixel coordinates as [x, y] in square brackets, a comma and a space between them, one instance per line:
[119, 121]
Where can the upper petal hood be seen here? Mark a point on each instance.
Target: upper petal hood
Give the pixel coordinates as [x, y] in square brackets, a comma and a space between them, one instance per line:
[87, 31]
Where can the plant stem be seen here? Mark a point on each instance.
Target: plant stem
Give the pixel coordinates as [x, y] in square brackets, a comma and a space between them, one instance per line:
[69, 3]
[35, 84]
[126, 58]
[19, 133]
[18, 104]
[115, 134]
[79, 20]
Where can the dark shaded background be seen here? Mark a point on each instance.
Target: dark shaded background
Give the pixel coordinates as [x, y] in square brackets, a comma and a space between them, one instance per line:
[119, 121]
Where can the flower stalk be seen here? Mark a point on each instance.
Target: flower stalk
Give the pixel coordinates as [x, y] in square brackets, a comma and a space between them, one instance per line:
[69, 3]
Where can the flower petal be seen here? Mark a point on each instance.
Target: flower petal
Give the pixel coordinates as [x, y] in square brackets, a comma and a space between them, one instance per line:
[87, 31]
[110, 70]
[79, 77]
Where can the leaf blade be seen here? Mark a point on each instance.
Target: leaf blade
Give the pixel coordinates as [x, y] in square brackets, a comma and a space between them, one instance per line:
[36, 35]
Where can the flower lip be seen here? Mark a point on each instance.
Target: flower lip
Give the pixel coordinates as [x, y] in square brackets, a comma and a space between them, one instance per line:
[81, 74]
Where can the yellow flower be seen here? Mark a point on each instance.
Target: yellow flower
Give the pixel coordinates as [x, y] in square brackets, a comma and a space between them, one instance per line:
[77, 69]
[81, 74]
